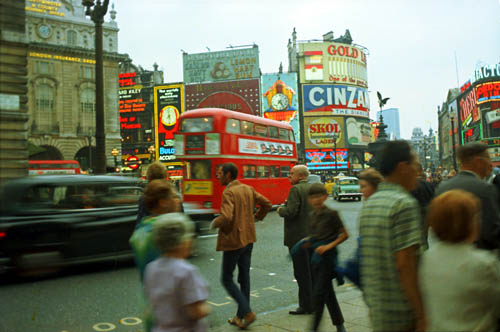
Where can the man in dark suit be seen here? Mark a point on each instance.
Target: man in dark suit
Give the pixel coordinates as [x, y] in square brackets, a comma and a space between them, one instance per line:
[475, 168]
[296, 213]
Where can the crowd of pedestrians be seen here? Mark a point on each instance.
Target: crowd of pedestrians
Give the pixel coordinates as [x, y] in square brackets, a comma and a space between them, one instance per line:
[428, 256]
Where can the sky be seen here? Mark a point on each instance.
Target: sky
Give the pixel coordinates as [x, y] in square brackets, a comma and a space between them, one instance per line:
[415, 47]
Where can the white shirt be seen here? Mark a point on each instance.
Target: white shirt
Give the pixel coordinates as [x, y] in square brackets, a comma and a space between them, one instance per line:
[460, 287]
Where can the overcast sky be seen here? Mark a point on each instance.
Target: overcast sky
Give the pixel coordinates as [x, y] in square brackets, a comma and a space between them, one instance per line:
[412, 44]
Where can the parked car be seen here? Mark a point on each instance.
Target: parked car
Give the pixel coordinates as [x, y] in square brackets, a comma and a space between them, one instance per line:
[52, 221]
[346, 187]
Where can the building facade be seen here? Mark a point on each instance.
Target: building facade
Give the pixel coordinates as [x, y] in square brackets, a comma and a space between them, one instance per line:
[391, 119]
[479, 110]
[334, 105]
[425, 146]
[61, 81]
[448, 131]
[13, 91]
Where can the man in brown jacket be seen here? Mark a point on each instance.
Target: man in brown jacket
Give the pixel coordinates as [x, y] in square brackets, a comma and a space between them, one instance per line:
[236, 225]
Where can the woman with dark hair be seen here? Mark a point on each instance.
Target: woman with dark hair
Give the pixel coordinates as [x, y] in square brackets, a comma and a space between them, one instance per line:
[460, 284]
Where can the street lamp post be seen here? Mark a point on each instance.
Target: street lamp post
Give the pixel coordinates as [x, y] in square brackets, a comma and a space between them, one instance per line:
[335, 136]
[452, 118]
[90, 153]
[115, 152]
[97, 16]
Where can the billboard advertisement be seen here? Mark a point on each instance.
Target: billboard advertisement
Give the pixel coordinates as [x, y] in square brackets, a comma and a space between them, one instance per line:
[229, 65]
[468, 110]
[131, 104]
[169, 105]
[331, 62]
[334, 99]
[240, 96]
[324, 132]
[358, 131]
[317, 159]
[280, 100]
[487, 92]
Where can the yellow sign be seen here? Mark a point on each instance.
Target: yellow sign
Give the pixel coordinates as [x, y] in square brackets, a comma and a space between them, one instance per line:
[45, 7]
[198, 188]
[60, 57]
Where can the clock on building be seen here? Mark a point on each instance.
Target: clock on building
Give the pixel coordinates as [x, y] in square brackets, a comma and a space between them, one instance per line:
[169, 116]
[279, 102]
[44, 31]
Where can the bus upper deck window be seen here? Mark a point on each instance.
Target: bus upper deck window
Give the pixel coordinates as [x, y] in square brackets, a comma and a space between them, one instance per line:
[273, 132]
[284, 134]
[292, 136]
[261, 130]
[233, 126]
[247, 128]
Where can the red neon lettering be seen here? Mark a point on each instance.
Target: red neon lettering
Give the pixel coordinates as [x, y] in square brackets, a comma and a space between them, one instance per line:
[331, 50]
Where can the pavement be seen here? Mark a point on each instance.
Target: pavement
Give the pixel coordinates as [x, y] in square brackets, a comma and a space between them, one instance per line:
[351, 303]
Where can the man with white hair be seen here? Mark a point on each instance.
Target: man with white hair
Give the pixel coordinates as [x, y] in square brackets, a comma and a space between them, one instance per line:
[296, 213]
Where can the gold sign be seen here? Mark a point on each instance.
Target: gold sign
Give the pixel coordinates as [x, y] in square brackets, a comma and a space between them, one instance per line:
[61, 57]
[45, 7]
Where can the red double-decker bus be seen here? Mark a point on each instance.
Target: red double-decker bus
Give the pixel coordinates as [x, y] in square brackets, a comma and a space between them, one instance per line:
[264, 151]
[51, 167]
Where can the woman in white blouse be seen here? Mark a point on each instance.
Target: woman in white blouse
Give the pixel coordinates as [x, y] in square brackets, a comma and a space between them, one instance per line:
[460, 284]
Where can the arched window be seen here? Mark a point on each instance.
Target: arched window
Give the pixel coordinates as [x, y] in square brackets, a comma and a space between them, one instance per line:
[87, 110]
[45, 115]
[71, 37]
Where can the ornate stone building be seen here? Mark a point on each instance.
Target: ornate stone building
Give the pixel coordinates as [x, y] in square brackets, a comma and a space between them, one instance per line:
[61, 81]
[13, 90]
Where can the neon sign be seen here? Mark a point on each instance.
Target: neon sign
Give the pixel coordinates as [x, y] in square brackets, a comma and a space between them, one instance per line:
[326, 158]
[487, 92]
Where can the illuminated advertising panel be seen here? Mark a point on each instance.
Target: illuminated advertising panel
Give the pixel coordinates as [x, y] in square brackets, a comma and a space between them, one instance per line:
[468, 110]
[331, 62]
[279, 99]
[221, 66]
[56, 8]
[263, 147]
[324, 132]
[169, 105]
[317, 159]
[484, 72]
[127, 79]
[131, 105]
[358, 131]
[240, 96]
[487, 92]
[333, 99]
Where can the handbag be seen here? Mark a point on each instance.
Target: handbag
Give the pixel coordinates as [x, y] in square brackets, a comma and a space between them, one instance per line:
[143, 246]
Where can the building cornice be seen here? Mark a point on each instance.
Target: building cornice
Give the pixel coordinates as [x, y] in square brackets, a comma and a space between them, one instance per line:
[75, 51]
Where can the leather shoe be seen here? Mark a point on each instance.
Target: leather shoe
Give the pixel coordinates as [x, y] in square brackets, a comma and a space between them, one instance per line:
[248, 319]
[299, 311]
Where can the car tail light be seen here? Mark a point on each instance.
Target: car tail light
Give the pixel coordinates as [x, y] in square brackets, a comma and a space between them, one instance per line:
[207, 205]
[2, 234]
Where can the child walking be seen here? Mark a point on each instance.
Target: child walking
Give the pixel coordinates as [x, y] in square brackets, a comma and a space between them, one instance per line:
[176, 291]
[326, 232]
